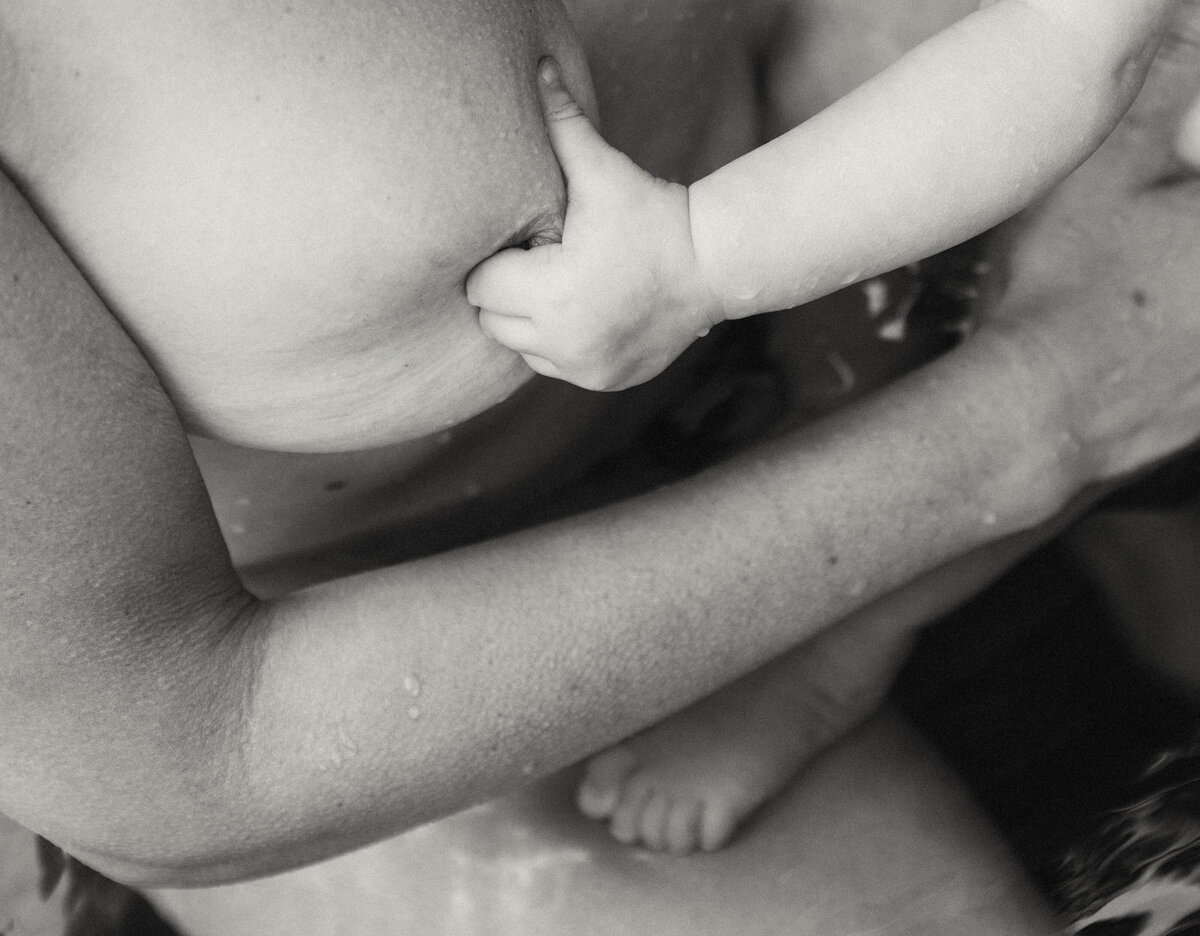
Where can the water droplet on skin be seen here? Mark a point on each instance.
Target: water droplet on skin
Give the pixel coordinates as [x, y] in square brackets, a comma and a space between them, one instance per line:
[990, 519]
[412, 686]
[877, 295]
[414, 713]
[529, 770]
[748, 293]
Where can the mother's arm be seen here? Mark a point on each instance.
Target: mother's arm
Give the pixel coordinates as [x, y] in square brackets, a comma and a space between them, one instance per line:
[169, 728]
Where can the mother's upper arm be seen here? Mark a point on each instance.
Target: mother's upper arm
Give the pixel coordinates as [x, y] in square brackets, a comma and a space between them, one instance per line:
[115, 584]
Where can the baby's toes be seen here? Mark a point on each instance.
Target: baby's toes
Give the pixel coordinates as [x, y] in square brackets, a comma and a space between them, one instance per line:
[655, 815]
[626, 823]
[717, 823]
[683, 827]
[603, 781]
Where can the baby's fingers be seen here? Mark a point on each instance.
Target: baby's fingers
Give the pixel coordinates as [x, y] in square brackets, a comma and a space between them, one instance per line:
[515, 332]
[511, 282]
[518, 334]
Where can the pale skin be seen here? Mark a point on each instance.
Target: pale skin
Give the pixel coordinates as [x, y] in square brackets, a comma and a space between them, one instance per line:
[280, 728]
[965, 130]
[629, 288]
[666, 788]
[689, 782]
[1126, 221]
[250, 705]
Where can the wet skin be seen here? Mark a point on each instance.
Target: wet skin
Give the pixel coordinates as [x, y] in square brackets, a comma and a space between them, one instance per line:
[248, 329]
[268, 550]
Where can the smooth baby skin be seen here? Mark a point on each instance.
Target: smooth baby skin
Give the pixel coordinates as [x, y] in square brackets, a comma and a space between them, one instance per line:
[908, 164]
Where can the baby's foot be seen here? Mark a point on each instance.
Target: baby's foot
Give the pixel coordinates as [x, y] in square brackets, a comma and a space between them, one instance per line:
[689, 781]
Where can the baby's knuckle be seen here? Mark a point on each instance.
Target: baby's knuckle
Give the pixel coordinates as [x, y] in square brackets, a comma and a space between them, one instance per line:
[564, 110]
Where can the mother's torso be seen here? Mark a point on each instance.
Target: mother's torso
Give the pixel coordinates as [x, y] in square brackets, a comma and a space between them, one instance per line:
[223, 173]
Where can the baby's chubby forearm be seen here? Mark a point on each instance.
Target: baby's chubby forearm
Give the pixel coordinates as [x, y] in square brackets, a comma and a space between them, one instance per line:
[956, 136]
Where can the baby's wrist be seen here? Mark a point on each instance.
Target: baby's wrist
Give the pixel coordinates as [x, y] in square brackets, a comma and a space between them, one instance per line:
[719, 276]
[704, 292]
[689, 291]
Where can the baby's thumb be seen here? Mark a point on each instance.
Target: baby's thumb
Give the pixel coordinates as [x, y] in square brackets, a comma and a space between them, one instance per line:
[576, 142]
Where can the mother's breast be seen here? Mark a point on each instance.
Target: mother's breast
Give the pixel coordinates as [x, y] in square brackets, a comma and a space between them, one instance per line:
[281, 203]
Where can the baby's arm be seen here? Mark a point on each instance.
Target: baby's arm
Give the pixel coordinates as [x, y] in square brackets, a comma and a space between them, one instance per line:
[959, 134]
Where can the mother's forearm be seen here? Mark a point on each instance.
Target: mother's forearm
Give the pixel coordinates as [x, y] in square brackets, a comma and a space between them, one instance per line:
[387, 699]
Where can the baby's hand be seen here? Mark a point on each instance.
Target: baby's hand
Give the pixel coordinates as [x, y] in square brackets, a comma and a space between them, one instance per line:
[621, 296]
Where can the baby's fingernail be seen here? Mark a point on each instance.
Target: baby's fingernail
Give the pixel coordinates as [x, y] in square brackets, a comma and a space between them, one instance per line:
[548, 71]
